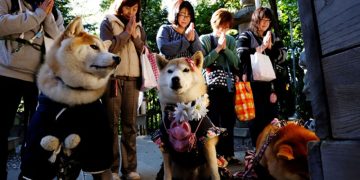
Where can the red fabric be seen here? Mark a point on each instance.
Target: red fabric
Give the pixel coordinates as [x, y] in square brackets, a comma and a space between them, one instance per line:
[152, 59]
[244, 101]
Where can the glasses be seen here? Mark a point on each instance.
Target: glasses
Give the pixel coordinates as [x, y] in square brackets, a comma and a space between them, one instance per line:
[266, 20]
[184, 16]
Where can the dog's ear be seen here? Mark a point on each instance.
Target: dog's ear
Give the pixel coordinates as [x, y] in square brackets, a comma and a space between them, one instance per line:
[107, 44]
[161, 61]
[74, 28]
[285, 152]
[198, 59]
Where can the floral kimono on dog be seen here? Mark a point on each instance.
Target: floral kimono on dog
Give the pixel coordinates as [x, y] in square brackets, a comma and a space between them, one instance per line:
[187, 127]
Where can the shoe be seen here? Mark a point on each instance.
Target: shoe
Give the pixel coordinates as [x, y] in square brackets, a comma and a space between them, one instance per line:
[132, 176]
[115, 176]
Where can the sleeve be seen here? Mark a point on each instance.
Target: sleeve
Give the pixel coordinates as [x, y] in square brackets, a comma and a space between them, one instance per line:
[243, 44]
[196, 45]
[54, 27]
[19, 23]
[230, 52]
[210, 55]
[118, 41]
[166, 45]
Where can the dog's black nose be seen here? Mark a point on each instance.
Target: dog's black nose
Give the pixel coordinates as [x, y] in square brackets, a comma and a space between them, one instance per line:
[117, 59]
[175, 83]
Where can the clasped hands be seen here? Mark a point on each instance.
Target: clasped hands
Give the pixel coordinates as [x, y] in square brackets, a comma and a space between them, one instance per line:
[267, 43]
[131, 27]
[47, 6]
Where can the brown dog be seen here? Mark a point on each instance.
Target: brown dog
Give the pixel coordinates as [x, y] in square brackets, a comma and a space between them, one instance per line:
[182, 91]
[285, 158]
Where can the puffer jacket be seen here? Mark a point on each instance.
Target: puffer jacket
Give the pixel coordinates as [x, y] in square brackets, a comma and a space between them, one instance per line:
[124, 45]
[17, 60]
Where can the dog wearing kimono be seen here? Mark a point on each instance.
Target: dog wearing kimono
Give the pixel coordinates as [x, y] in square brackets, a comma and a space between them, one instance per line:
[186, 137]
[70, 131]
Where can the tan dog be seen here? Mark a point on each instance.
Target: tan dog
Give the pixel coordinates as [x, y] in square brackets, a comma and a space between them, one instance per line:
[69, 131]
[182, 85]
[285, 158]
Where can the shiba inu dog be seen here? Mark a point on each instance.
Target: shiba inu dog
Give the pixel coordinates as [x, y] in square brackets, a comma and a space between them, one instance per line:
[70, 131]
[285, 157]
[187, 138]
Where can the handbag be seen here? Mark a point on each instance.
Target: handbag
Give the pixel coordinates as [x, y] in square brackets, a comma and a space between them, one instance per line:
[244, 101]
[217, 76]
[262, 68]
[149, 70]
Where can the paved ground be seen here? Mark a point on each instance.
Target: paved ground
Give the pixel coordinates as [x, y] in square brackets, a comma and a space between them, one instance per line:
[149, 160]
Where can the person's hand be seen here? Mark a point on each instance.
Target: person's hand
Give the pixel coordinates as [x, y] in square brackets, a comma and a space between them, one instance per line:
[267, 40]
[133, 27]
[244, 77]
[190, 33]
[221, 43]
[273, 98]
[47, 6]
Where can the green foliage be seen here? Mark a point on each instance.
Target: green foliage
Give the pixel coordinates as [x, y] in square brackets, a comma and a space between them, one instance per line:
[65, 9]
[105, 4]
[152, 17]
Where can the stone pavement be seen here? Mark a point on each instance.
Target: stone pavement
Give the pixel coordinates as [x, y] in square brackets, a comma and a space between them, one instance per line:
[149, 160]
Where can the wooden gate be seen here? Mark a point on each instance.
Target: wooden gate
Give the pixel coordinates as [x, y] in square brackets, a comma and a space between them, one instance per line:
[331, 31]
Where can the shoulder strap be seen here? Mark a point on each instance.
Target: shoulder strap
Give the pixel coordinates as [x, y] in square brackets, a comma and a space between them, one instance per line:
[254, 43]
[212, 41]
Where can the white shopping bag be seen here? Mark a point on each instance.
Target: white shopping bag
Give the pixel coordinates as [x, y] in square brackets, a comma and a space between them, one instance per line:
[262, 68]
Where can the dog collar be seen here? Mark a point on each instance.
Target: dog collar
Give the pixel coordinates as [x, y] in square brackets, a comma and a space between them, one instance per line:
[194, 110]
[74, 88]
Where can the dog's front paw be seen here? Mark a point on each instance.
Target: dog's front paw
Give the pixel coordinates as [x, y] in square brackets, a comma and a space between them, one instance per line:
[50, 143]
[70, 142]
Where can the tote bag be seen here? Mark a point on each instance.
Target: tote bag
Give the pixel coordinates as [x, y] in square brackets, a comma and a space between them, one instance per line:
[262, 68]
[244, 101]
[147, 70]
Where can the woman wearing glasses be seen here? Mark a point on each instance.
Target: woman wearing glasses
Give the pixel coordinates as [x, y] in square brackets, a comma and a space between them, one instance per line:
[258, 38]
[179, 39]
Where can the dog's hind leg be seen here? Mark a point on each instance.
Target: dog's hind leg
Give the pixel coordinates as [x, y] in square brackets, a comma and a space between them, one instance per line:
[167, 166]
[210, 155]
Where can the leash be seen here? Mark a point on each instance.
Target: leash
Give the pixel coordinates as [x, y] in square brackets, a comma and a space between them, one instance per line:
[257, 158]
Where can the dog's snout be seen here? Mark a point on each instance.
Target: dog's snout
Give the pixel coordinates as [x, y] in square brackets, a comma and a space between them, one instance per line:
[175, 83]
[175, 80]
[117, 59]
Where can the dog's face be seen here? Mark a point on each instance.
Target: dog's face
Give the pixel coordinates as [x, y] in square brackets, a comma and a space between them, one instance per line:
[77, 64]
[286, 156]
[181, 79]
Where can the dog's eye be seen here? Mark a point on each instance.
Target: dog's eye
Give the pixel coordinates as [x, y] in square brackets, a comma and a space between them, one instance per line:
[170, 71]
[95, 47]
[186, 70]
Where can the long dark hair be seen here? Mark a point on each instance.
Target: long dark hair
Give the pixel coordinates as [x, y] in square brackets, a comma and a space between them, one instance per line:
[258, 14]
[173, 16]
[119, 4]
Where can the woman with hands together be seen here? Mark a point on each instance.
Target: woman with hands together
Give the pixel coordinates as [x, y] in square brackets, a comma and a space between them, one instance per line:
[220, 53]
[122, 27]
[23, 27]
[258, 38]
[179, 39]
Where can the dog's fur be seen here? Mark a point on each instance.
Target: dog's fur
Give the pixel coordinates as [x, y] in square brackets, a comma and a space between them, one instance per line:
[82, 61]
[74, 76]
[178, 83]
[285, 158]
